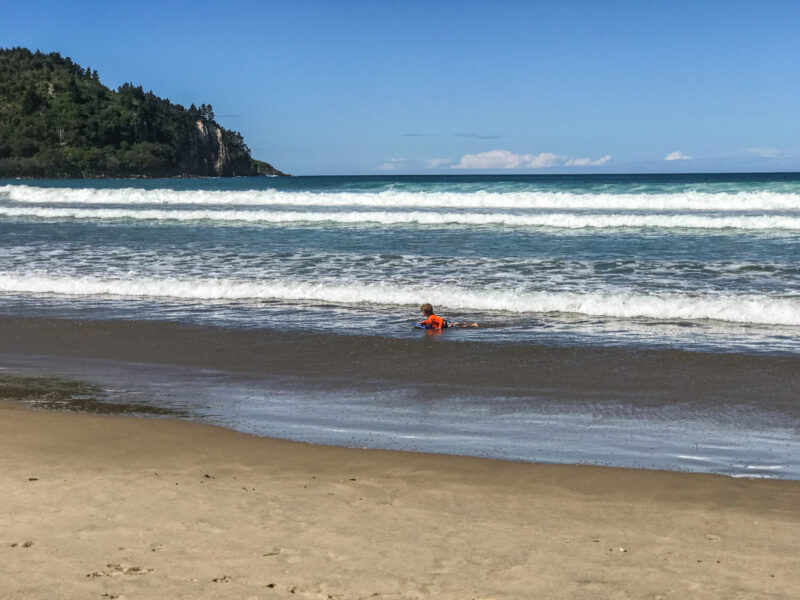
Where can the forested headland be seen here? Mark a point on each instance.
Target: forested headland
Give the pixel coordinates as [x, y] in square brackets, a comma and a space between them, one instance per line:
[58, 120]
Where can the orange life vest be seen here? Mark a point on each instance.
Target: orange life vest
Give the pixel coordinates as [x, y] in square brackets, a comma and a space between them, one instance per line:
[434, 322]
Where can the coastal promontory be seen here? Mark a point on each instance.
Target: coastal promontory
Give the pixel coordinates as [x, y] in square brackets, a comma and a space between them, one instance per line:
[57, 120]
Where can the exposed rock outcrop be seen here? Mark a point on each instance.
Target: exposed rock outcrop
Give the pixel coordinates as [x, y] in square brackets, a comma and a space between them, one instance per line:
[208, 154]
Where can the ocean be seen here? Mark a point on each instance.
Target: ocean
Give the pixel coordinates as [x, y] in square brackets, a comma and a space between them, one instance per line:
[631, 320]
[700, 262]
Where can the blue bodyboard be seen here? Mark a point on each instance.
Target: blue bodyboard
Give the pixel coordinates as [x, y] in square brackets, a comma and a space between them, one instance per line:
[448, 325]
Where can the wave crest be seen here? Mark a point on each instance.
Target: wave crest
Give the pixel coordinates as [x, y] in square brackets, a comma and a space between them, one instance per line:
[559, 220]
[750, 308]
[681, 201]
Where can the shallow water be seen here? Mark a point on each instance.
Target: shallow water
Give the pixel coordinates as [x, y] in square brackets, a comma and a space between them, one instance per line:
[738, 440]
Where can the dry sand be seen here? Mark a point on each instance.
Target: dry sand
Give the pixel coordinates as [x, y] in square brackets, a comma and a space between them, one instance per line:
[101, 507]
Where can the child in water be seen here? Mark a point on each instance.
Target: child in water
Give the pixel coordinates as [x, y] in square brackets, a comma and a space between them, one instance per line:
[433, 321]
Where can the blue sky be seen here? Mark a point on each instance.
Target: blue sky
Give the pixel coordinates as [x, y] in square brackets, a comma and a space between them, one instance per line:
[457, 87]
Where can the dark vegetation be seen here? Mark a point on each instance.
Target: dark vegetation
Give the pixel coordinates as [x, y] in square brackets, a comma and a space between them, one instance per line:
[58, 120]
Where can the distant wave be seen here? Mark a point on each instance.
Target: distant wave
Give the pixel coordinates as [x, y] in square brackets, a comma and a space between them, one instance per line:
[733, 308]
[560, 220]
[681, 201]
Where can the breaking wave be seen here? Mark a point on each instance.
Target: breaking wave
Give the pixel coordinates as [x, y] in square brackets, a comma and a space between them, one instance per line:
[761, 200]
[558, 220]
[749, 308]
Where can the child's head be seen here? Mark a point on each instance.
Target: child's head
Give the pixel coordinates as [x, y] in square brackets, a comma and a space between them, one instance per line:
[426, 309]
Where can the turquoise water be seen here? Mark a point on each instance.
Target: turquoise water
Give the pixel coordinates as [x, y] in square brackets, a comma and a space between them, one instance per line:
[708, 262]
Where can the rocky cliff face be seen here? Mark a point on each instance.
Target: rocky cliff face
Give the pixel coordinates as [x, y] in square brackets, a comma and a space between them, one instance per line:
[261, 168]
[208, 155]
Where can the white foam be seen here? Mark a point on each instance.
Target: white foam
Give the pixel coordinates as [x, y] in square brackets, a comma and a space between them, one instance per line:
[559, 220]
[679, 201]
[693, 457]
[732, 308]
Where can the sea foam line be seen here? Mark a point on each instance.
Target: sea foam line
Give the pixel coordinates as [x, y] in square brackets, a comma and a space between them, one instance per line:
[733, 308]
[684, 201]
[557, 220]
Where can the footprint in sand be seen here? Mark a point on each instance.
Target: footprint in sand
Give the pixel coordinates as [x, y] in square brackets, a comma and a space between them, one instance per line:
[116, 570]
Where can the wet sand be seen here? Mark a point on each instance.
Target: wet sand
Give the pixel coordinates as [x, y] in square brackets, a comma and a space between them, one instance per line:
[119, 507]
[643, 377]
[731, 414]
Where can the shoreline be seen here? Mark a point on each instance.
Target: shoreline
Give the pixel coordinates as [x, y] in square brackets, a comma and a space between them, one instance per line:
[734, 441]
[134, 507]
[734, 415]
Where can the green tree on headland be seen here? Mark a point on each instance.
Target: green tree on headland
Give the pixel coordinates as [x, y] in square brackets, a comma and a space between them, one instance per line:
[58, 120]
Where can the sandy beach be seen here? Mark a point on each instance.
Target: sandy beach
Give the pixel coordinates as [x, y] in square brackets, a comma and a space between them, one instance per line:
[119, 507]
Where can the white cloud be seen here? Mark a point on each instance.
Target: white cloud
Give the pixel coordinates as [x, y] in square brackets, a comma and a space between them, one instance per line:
[677, 155]
[392, 165]
[503, 159]
[493, 159]
[435, 163]
[544, 159]
[587, 162]
[763, 152]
